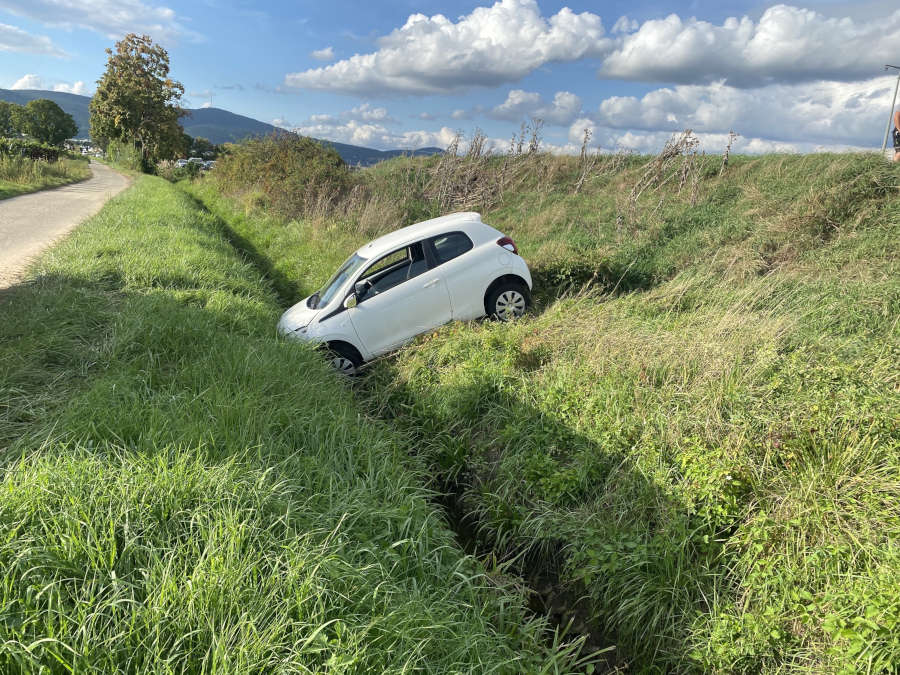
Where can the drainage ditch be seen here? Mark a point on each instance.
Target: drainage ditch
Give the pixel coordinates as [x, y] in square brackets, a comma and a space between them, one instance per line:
[547, 597]
[564, 609]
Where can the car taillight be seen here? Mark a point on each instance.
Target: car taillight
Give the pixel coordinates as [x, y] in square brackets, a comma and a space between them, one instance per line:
[508, 244]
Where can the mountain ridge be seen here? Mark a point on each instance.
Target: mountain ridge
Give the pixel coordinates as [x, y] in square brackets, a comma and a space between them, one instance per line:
[216, 124]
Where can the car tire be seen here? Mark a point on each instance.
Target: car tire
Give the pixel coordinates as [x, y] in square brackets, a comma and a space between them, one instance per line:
[508, 301]
[344, 359]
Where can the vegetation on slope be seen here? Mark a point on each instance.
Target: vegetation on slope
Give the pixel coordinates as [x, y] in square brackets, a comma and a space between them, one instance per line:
[183, 492]
[19, 175]
[697, 432]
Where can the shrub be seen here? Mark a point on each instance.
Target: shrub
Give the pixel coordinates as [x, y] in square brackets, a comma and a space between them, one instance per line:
[127, 156]
[29, 149]
[294, 175]
[167, 169]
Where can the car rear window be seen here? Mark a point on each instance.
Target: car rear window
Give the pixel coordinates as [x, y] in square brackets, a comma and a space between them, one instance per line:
[451, 245]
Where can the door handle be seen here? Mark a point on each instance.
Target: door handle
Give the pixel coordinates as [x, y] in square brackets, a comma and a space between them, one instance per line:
[431, 283]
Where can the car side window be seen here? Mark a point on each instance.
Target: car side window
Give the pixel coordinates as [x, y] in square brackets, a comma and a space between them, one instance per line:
[449, 246]
[393, 269]
[382, 264]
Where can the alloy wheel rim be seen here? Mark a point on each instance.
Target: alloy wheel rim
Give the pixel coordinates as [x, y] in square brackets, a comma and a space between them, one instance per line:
[343, 365]
[510, 305]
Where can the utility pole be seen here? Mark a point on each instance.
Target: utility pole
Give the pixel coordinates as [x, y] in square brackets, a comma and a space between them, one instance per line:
[887, 129]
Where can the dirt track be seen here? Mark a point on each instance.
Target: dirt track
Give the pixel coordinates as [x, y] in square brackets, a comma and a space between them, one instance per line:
[30, 223]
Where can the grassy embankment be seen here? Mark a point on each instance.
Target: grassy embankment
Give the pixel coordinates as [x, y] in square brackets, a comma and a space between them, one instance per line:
[183, 492]
[702, 445]
[20, 175]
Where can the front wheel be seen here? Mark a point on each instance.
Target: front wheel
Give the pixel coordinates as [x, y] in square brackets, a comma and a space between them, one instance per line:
[508, 301]
[344, 360]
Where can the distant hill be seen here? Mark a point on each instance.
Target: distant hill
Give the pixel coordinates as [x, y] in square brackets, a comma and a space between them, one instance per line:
[75, 105]
[219, 126]
[222, 126]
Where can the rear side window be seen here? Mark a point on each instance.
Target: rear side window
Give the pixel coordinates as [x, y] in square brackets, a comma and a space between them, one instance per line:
[449, 246]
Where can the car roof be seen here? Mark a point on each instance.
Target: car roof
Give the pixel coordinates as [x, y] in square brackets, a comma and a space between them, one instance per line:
[427, 228]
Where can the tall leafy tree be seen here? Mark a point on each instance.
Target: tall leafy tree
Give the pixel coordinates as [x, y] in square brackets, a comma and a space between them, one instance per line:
[10, 118]
[203, 147]
[45, 121]
[136, 100]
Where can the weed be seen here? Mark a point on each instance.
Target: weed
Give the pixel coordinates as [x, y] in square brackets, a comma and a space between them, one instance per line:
[19, 175]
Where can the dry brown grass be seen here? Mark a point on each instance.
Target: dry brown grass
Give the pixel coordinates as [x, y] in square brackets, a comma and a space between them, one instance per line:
[674, 169]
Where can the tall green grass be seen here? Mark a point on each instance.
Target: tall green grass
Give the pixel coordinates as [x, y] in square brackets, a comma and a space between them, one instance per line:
[697, 433]
[711, 459]
[184, 492]
[19, 175]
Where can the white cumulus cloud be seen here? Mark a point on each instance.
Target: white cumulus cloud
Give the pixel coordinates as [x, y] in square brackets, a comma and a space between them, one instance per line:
[30, 81]
[373, 135]
[491, 46]
[367, 113]
[361, 113]
[520, 105]
[14, 39]
[787, 44]
[650, 142]
[75, 88]
[326, 54]
[852, 113]
[113, 18]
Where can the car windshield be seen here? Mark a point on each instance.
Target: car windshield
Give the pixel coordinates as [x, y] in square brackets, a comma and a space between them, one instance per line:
[348, 269]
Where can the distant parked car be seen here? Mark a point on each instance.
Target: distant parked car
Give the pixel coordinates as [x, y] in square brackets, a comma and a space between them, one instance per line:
[196, 160]
[211, 164]
[409, 282]
[180, 163]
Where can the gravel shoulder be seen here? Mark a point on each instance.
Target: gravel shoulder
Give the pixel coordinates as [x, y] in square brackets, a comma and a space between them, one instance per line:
[30, 223]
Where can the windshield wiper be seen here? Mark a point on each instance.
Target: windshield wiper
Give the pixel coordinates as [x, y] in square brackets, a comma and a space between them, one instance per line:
[313, 301]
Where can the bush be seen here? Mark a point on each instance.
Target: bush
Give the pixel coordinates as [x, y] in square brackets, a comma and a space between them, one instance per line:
[167, 169]
[29, 149]
[127, 156]
[293, 175]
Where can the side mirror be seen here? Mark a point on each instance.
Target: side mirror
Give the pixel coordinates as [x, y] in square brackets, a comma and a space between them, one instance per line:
[350, 301]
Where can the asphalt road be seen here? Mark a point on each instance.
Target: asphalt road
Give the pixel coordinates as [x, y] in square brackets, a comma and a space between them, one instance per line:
[30, 223]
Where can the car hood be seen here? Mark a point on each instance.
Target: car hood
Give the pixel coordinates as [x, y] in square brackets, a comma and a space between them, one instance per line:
[296, 317]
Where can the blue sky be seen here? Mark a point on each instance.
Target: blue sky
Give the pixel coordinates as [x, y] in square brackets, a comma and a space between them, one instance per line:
[397, 73]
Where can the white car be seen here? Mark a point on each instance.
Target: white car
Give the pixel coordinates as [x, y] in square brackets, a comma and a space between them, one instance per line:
[408, 282]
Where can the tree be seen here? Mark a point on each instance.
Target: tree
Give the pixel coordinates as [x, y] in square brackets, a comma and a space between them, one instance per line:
[203, 147]
[46, 122]
[136, 100]
[10, 118]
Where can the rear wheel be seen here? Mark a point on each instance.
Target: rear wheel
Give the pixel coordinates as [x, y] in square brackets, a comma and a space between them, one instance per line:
[344, 359]
[508, 301]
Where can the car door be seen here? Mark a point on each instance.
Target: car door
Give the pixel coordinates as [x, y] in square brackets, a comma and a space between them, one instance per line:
[406, 298]
[463, 270]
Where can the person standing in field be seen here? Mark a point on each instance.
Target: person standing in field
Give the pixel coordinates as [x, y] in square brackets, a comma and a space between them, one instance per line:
[897, 136]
